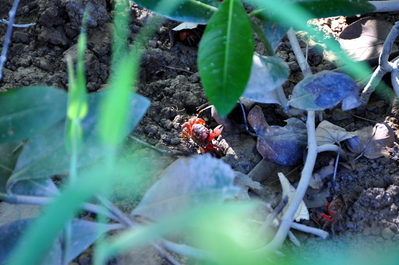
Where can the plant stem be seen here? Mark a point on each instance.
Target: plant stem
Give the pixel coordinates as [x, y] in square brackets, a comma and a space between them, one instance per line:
[303, 64]
[6, 43]
[331, 147]
[287, 220]
[311, 230]
[385, 6]
[383, 67]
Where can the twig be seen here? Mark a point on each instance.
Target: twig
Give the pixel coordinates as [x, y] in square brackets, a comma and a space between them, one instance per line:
[383, 67]
[17, 25]
[186, 250]
[7, 38]
[311, 230]
[115, 211]
[272, 216]
[130, 224]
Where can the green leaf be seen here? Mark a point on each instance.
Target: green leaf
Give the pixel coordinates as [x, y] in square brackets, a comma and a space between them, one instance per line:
[28, 111]
[225, 56]
[113, 123]
[43, 187]
[39, 237]
[193, 217]
[323, 8]
[316, 9]
[84, 233]
[8, 159]
[198, 11]
[187, 184]
[45, 154]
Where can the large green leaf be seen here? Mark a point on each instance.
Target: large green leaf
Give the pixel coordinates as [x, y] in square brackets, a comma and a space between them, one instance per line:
[225, 56]
[196, 11]
[28, 111]
[8, 159]
[45, 154]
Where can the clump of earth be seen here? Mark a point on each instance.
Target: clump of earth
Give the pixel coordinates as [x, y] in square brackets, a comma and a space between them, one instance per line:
[169, 78]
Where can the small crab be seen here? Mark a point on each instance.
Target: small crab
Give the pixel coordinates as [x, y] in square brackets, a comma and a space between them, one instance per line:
[333, 214]
[195, 129]
[187, 33]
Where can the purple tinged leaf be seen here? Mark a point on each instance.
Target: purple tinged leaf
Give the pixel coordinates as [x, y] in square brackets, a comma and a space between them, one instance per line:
[325, 90]
[187, 183]
[281, 145]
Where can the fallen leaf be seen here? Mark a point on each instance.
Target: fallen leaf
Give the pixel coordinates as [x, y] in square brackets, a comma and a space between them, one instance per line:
[288, 190]
[281, 145]
[328, 133]
[365, 38]
[372, 142]
[187, 183]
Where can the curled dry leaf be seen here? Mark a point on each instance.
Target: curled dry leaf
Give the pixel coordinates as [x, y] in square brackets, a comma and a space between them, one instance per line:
[288, 190]
[281, 145]
[372, 142]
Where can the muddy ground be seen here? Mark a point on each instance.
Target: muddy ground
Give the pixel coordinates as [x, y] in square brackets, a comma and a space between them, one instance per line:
[169, 78]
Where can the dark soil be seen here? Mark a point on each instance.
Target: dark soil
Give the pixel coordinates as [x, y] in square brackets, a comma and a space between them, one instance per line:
[169, 78]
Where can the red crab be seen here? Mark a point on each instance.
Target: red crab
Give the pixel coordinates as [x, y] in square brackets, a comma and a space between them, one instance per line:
[333, 214]
[188, 33]
[195, 129]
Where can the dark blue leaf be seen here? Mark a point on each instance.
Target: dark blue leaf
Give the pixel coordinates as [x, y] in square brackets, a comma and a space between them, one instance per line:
[325, 90]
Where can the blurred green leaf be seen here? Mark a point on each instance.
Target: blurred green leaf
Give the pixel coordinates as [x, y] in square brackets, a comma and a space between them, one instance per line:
[8, 159]
[112, 124]
[192, 217]
[45, 154]
[186, 184]
[42, 187]
[83, 234]
[316, 9]
[28, 111]
[225, 55]
[198, 11]
[54, 217]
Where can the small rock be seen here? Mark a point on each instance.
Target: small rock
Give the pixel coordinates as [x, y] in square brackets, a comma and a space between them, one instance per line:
[387, 233]
[175, 141]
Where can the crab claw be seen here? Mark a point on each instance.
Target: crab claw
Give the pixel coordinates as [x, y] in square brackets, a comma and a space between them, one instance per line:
[218, 130]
